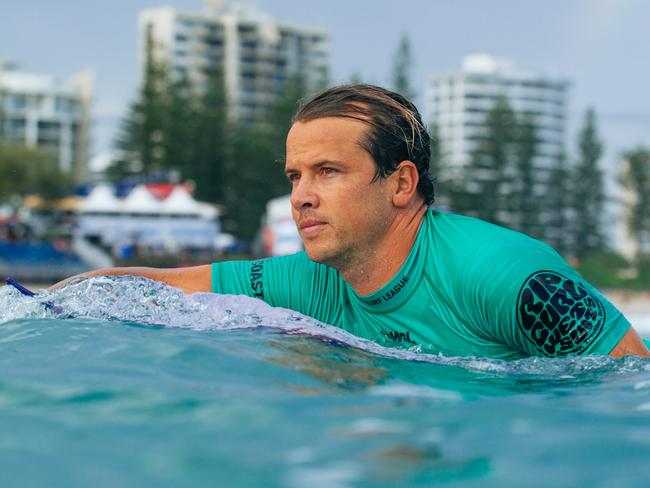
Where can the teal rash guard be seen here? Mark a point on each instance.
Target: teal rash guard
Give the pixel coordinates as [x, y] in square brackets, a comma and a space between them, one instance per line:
[467, 288]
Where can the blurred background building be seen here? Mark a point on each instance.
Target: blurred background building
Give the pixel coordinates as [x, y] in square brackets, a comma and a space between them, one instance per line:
[43, 112]
[504, 128]
[633, 226]
[258, 54]
[457, 103]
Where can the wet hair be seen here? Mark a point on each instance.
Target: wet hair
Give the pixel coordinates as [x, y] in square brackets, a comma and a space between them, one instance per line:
[396, 130]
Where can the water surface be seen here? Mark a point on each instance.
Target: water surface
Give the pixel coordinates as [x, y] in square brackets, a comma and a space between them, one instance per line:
[136, 384]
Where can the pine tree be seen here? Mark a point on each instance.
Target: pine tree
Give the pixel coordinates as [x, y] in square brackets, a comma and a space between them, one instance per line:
[525, 202]
[488, 178]
[402, 65]
[437, 168]
[140, 142]
[557, 206]
[257, 162]
[323, 80]
[180, 128]
[212, 139]
[635, 178]
[587, 190]
[2, 111]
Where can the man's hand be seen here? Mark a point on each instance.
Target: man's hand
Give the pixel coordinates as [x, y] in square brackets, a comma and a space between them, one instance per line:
[630, 344]
[190, 280]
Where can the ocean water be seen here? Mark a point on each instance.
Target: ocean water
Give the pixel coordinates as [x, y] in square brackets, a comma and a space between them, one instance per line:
[135, 384]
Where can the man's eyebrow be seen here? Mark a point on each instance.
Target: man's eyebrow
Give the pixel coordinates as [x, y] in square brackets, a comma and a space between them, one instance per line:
[318, 164]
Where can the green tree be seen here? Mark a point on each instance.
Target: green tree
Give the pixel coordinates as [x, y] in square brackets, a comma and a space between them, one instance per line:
[212, 140]
[557, 205]
[180, 127]
[525, 202]
[25, 171]
[257, 162]
[141, 139]
[2, 109]
[323, 80]
[437, 168]
[436, 150]
[488, 177]
[587, 190]
[635, 178]
[402, 65]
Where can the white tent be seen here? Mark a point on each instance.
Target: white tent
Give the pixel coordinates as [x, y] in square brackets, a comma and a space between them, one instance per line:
[179, 202]
[141, 201]
[176, 223]
[208, 212]
[280, 234]
[101, 200]
[279, 209]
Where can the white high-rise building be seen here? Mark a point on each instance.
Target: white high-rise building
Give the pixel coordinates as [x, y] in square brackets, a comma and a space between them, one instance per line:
[43, 112]
[458, 102]
[258, 55]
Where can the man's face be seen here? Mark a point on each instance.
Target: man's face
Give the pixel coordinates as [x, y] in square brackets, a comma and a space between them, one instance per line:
[341, 213]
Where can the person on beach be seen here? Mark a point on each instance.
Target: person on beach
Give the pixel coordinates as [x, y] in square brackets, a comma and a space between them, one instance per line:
[381, 264]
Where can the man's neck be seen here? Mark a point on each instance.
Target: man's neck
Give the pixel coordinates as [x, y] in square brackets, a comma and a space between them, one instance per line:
[369, 272]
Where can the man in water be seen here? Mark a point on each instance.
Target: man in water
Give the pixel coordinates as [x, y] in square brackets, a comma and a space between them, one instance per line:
[381, 264]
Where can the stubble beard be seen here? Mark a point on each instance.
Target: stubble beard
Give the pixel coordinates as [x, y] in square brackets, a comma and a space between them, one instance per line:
[347, 260]
[335, 255]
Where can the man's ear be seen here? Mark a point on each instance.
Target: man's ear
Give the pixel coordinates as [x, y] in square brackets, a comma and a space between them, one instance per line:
[406, 183]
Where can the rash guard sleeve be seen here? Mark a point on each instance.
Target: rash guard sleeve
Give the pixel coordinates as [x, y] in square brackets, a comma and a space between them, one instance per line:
[293, 282]
[536, 303]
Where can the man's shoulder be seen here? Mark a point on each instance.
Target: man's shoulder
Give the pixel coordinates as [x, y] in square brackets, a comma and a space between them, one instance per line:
[468, 237]
[466, 251]
[464, 224]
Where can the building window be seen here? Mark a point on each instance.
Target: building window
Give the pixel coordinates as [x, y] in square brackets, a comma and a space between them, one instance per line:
[61, 105]
[478, 79]
[18, 102]
[246, 29]
[213, 41]
[16, 128]
[48, 130]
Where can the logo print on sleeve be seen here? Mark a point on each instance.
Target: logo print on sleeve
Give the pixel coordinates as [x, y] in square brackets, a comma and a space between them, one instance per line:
[560, 316]
[257, 284]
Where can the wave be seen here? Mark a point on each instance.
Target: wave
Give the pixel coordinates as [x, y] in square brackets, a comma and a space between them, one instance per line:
[147, 302]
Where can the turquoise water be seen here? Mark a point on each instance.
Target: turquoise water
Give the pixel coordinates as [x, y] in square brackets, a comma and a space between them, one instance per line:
[146, 387]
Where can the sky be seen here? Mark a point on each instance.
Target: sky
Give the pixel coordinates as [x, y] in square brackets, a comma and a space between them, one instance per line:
[600, 46]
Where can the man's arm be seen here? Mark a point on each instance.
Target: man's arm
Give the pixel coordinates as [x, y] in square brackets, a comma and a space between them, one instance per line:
[537, 304]
[630, 344]
[190, 280]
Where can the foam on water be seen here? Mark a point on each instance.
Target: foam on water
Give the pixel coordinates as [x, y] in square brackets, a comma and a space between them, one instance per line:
[147, 302]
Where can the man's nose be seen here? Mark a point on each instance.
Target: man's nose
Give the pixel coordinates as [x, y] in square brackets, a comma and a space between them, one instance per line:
[303, 194]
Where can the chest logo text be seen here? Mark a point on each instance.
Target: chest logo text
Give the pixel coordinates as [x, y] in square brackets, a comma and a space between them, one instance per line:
[391, 293]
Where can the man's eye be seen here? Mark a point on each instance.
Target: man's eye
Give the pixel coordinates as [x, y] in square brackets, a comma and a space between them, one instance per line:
[293, 177]
[327, 171]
